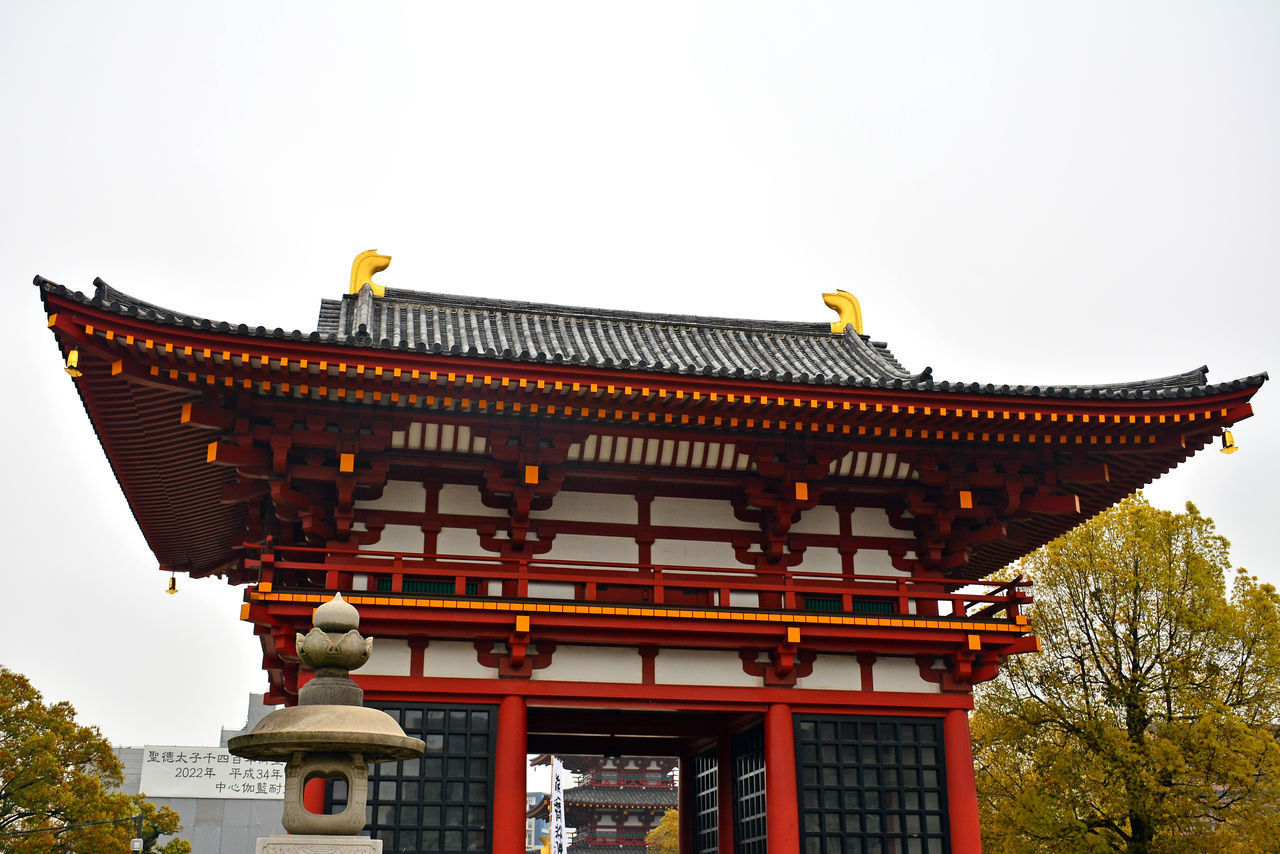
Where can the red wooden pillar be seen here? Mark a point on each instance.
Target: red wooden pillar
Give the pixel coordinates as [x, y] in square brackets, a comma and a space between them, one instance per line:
[509, 776]
[780, 781]
[725, 776]
[962, 791]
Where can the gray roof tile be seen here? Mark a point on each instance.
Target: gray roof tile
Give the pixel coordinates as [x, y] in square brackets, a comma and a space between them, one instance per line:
[654, 797]
[500, 329]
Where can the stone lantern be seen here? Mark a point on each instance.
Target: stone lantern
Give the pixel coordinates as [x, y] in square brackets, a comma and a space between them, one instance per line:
[329, 734]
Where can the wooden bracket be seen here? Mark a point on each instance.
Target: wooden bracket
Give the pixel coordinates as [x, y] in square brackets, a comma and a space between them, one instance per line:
[962, 670]
[786, 663]
[530, 656]
[523, 476]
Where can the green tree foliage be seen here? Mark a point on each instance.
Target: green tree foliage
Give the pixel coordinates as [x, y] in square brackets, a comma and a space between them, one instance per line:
[57, 781]
[665, 838]
[1148, 724]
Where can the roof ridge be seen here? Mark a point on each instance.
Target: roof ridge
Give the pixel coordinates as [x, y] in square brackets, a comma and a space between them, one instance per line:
[621, 315]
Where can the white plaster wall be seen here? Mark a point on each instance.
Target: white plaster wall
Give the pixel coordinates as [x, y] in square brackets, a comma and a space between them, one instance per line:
[822, 560]
[590, 507]
[406, 539]
[744, 599]
[390, 657]
[696, 513]
[459, 541]
[833, 673]
[589, 548]
[874, 562]
[452, 660]
[549, 590]
[702, 667]
[823, 519]
[694, 553]
[874, 522]
[592, 664]
[901, 674]
[399, 495]
[458, 498]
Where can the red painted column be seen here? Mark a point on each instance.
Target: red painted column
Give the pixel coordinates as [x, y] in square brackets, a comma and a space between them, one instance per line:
[780, 781]
[509, 776]
[962, 791]
[725, 774]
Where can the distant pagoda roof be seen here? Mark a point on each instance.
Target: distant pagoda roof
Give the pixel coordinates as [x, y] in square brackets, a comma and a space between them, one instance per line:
[641, 798]
[511, 331]
[633, 797]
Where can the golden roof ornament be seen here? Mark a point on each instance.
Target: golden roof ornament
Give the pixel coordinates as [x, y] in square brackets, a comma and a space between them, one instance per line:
[368, 263]
[846, 305]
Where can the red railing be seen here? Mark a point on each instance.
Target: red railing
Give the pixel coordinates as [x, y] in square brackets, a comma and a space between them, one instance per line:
[302, 568]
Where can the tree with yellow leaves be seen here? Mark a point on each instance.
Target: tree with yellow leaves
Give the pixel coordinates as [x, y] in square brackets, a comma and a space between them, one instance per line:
[665, 838]
[58, 781]
[1149, 722]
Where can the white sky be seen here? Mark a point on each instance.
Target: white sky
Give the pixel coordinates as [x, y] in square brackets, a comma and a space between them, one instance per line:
[1069, 192]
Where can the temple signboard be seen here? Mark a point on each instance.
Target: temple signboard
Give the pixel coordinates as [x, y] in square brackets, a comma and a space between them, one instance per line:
[170, 771]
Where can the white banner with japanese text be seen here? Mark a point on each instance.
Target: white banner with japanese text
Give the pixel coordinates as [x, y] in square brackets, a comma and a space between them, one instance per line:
[207, 772]
[557, 828]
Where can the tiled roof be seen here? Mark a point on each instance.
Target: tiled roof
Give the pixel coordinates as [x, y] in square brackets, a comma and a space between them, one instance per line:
[652, 797]
[501, 330]
[665, 343]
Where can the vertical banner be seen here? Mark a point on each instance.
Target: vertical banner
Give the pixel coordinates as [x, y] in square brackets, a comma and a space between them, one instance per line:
[557, 834]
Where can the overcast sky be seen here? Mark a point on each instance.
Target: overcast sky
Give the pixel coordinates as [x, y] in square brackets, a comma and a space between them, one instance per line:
[1017, 192]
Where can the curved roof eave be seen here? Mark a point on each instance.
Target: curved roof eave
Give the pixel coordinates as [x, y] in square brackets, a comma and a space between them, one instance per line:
[503, 330]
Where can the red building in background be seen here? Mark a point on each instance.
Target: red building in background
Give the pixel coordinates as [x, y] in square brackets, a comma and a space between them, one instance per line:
[754, 547]
[615, 800]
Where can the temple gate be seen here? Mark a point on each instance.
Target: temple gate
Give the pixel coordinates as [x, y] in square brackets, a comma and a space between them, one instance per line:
[756, 547]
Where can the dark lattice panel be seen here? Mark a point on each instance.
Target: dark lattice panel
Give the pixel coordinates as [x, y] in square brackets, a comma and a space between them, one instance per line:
[871, 785]
[750, 836]
[436, 588]
[441, 802]
[706, 794]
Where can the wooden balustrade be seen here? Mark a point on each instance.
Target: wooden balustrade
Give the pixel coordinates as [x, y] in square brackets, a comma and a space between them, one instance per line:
[312, 568]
